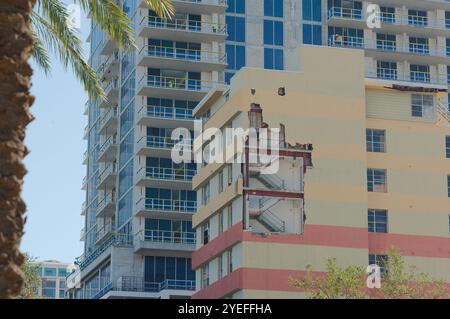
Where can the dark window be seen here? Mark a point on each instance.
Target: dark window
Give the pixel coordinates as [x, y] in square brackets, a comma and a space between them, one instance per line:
[377, 221]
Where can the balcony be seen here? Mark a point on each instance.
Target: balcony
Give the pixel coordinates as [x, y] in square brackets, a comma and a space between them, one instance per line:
[110, 68]
[83, 208]
[181, 59]
[163, 116]
[414, 53]
[83, 234]
[112, 93]
[84, 184]
[165, 208]
[108, 122]
[106, 231]
[107, 46]
[108, 150]
[107, 177]
[197, 6]
[383, 77]
[86, 108]
[175, 88]
[85, 157]
[182, 30]
[106, 206]
[390, 22]
[138, 284]
[161, 177]
[175, 243]
[160, 146]
[86, 132]
[346, 41]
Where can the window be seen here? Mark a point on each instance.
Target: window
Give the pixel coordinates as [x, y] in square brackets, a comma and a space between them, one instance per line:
[220, 221]
[387, 15]
[386, 42]
[418, 45]
[49, 272]
[205, 194]
[229, 261]
[61, 294]
[205, 276]
[220, 181]
[447, 146]
[219, 267]
[229, 216]
[447, 19]
[376, 180]
[229, 173]
[236, 6]
[273, 8]
[419, 73]
[273, 32]
[377, 221]
[312, 10]
[375, 140]
[62, 272]
[312, 34]
[422, 105]
[205, 233]
[379, 260]
[387, 70]
[418, 18]
[235, 56]
[273, 59]
[236, 28]
[448, 185]
[62, 284]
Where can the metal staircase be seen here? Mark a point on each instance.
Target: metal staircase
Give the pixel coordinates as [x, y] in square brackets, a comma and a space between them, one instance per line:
[271, 181]
[270, 221]
[443, 110]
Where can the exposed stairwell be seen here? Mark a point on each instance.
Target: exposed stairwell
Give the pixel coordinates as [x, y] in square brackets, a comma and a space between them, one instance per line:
[270, 221]
[443, 110]
[271, 181]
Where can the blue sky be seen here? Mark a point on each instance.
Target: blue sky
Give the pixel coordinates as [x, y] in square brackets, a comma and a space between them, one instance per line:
[52, 189]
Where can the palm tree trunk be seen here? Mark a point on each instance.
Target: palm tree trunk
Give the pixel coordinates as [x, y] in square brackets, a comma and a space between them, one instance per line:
[16, 47]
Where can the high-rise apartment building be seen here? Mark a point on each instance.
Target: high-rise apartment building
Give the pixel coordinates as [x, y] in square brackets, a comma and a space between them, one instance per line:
[138, 232]
[53, 278]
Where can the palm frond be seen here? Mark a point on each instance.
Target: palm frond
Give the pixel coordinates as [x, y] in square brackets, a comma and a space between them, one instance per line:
[40, 54]
[163, 8]
[112, 20]
[50, 25]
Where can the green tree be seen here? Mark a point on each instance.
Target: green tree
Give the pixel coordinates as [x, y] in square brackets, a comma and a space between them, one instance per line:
[350, 282]
[32, 280]
[33, 28]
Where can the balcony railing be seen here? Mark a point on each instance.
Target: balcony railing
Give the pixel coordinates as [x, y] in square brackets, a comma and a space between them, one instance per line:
[387, 17]
[348, 13]
[163, 142]
[104, 230]
[112, 112]
[166, 236]
[386, 45]
[113, 84]
[184, 25]
[167, 112]
[211, 2]
[169, 205]
[108, 170]
[346, 41]
[417, 21]
[170, 174]
[109, 142]
[113, 58]
[168, 82]
[110, 198]
[420, 76]
[138, 284]
[388, 74]
[418, 48]
[183, 54]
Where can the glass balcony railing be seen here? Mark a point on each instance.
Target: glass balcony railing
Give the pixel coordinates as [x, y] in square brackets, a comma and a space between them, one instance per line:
[386, 45]
[166, 112]
[387, 74]
[419, 76]
[346, 41]
[387, 17]
[348, 13]
[168, 205]
[169, 174]
[183, 54]
[184, 25]
[417, 21]
[167, 236]
[110, 198]
[109, 142]
[163, 142]
[174, 83]
[418, 48]
[112, 112]
[138, 284]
